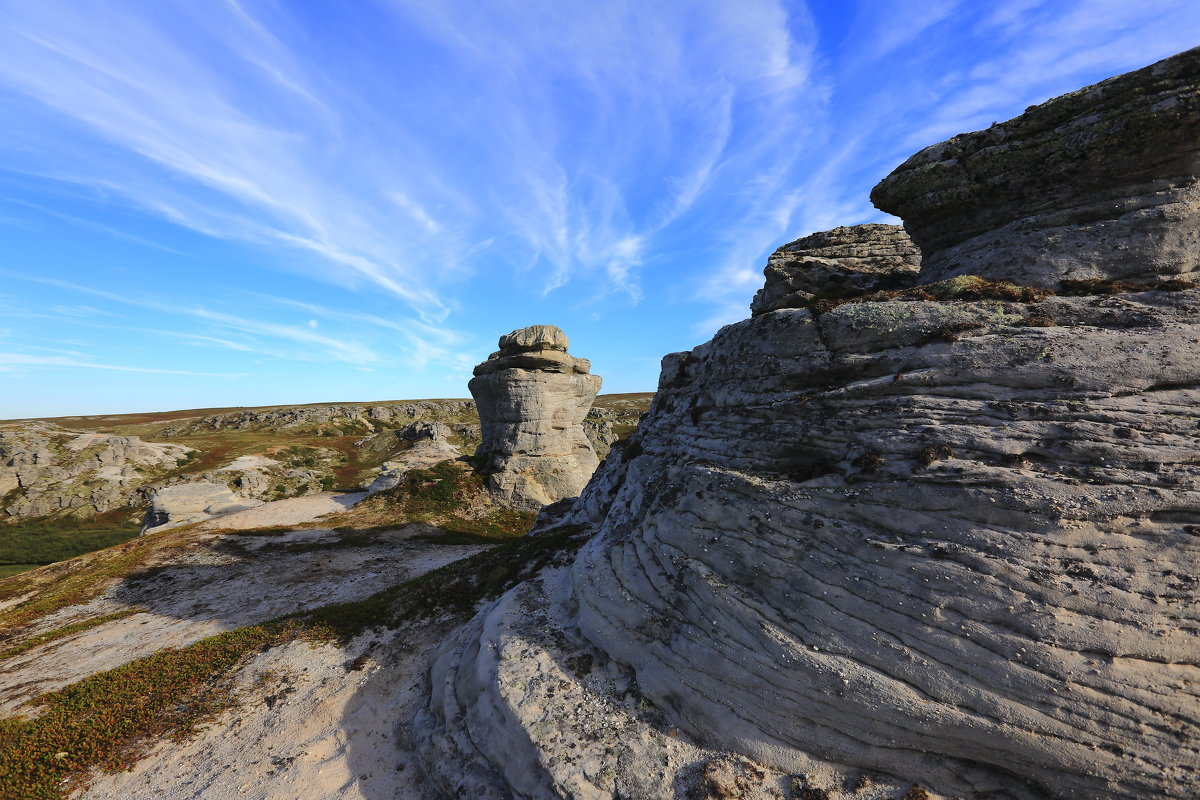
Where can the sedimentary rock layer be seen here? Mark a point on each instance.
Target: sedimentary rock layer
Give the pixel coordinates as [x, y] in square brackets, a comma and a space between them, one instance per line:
[1099, 183]
[951, 538]
[859, 542]
[846, 260]
[532, 397]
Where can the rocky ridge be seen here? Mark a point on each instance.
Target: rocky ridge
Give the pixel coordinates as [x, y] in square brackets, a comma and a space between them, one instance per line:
[533, 396]
[917, 541]
[49, 469]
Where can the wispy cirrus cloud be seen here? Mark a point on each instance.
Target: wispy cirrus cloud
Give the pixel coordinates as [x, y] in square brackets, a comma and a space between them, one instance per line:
[13, 362]
[572, 134]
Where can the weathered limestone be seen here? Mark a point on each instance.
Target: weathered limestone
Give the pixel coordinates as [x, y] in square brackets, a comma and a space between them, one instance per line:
[185, 503]
[532, 397]
[53, 470]
[1099, 183]
[844, 261]
[428, 444]
[949, 543]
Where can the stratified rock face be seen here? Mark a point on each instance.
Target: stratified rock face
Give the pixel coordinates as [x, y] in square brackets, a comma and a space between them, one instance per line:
[934, 541]
[845, 260]
[185, 503]
[1099, 183]
[532, 397]
[844, 544]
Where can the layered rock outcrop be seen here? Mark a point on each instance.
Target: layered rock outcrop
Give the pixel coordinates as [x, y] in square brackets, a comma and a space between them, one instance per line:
[1099, 183]
[844, 261]
[945, 542]
[532, 396]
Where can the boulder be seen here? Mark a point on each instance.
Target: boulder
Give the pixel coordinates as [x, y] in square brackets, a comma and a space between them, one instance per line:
[532, 397]
[1097, 184]
[185, 503]
[844, 261]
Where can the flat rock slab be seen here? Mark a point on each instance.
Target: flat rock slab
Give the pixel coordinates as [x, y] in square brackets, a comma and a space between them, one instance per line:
[292, 511]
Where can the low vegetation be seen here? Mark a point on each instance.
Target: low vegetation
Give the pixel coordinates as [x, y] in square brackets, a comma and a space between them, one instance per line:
[27, 546]
[449, 496]
[79, 579]
[108, 720]
[65, 631]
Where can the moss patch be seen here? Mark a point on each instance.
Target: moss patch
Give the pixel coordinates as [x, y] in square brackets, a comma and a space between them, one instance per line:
[964, 287]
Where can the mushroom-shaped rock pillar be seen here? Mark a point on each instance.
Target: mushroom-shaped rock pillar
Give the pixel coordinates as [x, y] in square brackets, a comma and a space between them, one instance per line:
[532, 397]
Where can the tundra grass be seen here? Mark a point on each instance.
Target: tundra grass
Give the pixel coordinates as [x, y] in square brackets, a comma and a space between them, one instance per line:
[83, 578]
[109, 720]
[50, 542]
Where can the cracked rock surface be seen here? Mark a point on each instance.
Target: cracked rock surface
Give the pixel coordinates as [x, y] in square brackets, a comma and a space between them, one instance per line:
[847, 260]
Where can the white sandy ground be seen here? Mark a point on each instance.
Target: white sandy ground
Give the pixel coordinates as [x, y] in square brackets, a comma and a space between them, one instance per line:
[313, 728]
[313, 723]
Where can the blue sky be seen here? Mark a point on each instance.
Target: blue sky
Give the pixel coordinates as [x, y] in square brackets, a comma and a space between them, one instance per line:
[234, 202]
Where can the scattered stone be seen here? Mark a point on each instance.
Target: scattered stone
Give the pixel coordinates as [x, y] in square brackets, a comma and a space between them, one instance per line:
[533, 397]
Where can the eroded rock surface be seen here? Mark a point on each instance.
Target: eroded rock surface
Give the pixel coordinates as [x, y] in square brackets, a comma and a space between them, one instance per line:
[185, 503]
[939, 542]
[846, 260]
[1099, 183]
[532, 397]
[53, 470]
[427, 444]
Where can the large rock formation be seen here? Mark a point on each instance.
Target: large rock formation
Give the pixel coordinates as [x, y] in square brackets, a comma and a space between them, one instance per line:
[844, 261]
[947, 542]
[532, 397]
[1099, 183]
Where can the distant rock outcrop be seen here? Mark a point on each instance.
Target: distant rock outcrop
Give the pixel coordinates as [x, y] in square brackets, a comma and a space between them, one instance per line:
[428, 443]
[53, 470]
[843, 261]
[185, 503]
[532, 398]
[1099, 183]
[328, 419]
[949, 539]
